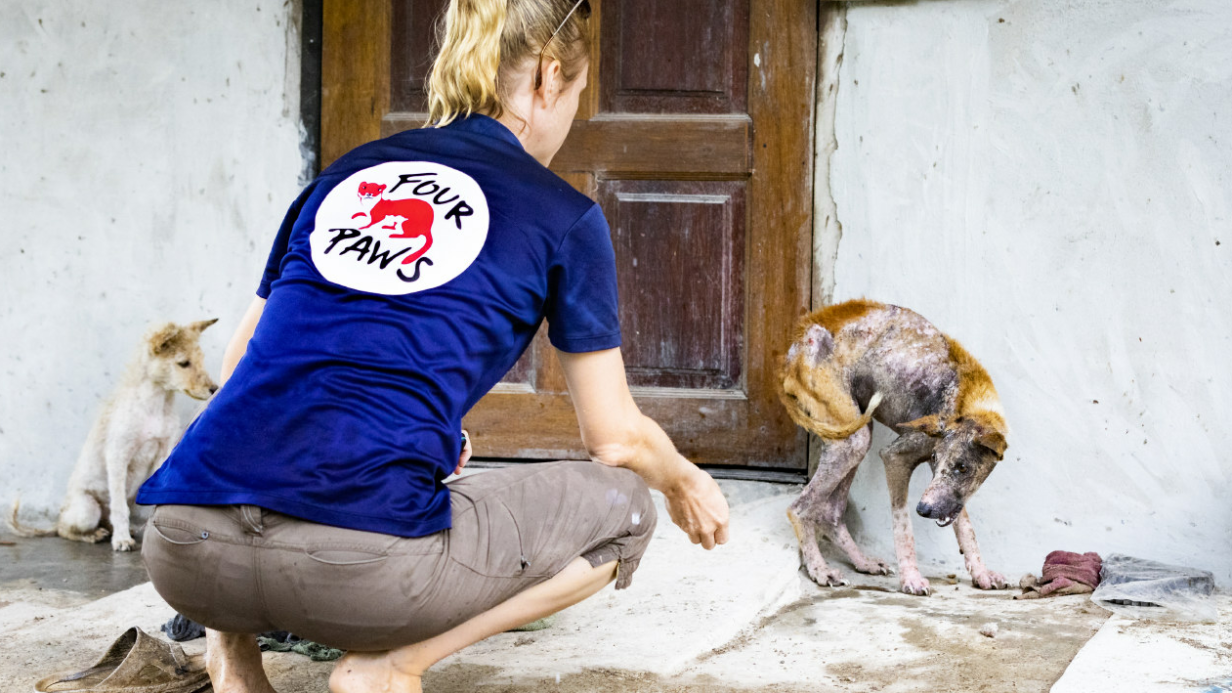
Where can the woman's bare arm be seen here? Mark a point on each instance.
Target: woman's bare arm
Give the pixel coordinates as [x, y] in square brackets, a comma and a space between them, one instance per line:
[239, 341]
[616, 433]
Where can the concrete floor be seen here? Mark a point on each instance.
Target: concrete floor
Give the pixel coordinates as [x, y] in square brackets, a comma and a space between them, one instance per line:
[739, 619]
[96, 572]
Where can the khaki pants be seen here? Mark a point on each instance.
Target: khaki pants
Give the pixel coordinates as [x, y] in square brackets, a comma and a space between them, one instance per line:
[242, 569]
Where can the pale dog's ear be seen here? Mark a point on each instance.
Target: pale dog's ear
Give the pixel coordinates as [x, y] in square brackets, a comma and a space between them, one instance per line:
[931, 424]
[201, 325]
[164, 340]
[815, 345]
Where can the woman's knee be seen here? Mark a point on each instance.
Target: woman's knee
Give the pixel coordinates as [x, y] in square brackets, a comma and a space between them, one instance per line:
[643, 514]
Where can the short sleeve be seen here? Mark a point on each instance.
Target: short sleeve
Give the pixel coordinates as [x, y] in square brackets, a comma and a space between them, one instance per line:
[273, 265]
[582, 310]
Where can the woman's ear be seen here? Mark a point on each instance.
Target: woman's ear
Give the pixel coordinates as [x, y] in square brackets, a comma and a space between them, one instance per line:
[551, 86]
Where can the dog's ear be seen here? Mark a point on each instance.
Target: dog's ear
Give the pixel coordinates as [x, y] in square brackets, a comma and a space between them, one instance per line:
[164, 340]
[201, 325]
[995, 441]
[931, 424]
[816, 344]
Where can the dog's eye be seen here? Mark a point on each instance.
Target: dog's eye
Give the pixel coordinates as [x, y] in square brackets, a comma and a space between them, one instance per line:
[960, 468]
[184, 364]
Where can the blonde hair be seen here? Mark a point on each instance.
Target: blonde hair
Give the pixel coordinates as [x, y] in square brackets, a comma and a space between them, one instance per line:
[484, 42]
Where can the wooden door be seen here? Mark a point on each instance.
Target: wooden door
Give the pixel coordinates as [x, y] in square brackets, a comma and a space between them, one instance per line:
[695, 136]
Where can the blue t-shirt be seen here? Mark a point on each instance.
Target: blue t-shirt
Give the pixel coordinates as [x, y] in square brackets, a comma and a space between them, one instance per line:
[403, 284]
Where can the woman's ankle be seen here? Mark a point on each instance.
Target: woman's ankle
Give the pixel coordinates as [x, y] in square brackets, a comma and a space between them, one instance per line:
[412, 660]
[234, 663]
[365, 672]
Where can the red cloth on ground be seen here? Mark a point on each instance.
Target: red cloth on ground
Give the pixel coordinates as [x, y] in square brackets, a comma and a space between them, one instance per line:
[1064, 568]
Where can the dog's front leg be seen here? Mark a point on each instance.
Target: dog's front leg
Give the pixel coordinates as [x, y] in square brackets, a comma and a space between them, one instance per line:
[117, 460]
[981, 576]
[901, 458]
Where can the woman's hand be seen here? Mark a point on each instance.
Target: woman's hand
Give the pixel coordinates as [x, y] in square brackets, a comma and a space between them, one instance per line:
[465, 455]
[698, 507]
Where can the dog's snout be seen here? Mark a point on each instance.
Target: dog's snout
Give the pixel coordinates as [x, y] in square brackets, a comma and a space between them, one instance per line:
[924, 509]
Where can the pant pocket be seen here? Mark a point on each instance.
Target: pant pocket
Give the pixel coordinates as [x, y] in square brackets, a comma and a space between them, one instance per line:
[345, 555]
[178, 533]
[179, 559]
[488, 541]
[343, 596]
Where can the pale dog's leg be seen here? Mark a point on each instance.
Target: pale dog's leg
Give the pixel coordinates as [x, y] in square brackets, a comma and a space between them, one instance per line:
[117, 461]
[835, 528]
[981, 576]
[822, 503]
[901, 458]
[810, 555]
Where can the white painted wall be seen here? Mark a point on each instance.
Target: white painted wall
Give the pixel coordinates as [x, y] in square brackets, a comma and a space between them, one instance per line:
[1051, 184]
[149, 154]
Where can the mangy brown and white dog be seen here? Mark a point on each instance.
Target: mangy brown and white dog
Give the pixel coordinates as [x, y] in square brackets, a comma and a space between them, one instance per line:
[900, 370]
[131, 437]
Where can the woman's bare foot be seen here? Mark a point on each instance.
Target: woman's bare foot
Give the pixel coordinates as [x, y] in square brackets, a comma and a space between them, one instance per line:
[234, 663]
[371, 672]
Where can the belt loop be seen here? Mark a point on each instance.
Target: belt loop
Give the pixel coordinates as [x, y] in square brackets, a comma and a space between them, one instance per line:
[253, 521]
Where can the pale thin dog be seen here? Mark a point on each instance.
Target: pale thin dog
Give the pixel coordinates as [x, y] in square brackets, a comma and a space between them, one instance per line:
[132, 436]
[906, 374]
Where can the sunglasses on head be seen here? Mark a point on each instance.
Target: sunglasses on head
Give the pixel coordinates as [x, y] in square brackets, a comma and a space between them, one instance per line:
[582, 7]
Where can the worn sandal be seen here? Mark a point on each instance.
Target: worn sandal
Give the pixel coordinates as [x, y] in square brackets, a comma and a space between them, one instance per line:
[135, 663]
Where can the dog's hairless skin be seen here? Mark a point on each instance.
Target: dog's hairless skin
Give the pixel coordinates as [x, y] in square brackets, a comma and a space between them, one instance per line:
[898, 369]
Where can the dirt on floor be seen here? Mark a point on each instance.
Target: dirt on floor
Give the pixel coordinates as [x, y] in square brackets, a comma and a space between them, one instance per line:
[931, 644]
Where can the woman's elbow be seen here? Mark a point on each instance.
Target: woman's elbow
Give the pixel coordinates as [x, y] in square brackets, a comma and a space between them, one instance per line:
[621, 447]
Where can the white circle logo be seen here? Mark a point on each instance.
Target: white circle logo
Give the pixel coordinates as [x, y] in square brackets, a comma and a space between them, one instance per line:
[400, 227]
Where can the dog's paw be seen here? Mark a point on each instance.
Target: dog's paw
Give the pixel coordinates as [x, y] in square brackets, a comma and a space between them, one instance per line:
[989, 580]
[100, 535]
[872, 566]
[123, 543]
[914, 583]
[826, 577]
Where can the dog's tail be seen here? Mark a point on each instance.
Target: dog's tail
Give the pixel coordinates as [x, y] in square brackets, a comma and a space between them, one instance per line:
[23, 531]
[826, 430]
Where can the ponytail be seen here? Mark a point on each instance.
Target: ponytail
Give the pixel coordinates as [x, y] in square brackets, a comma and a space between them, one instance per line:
[464, 75]
[483, 41]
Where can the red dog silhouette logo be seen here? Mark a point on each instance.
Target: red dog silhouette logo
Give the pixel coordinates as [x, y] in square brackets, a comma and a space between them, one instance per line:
[431, 218]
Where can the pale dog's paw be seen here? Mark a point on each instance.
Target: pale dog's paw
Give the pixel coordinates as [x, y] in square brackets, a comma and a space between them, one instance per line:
[989, 580]
[100, 535]
[826, 577]
[123, 543]
[874, 567]
[914, 583]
